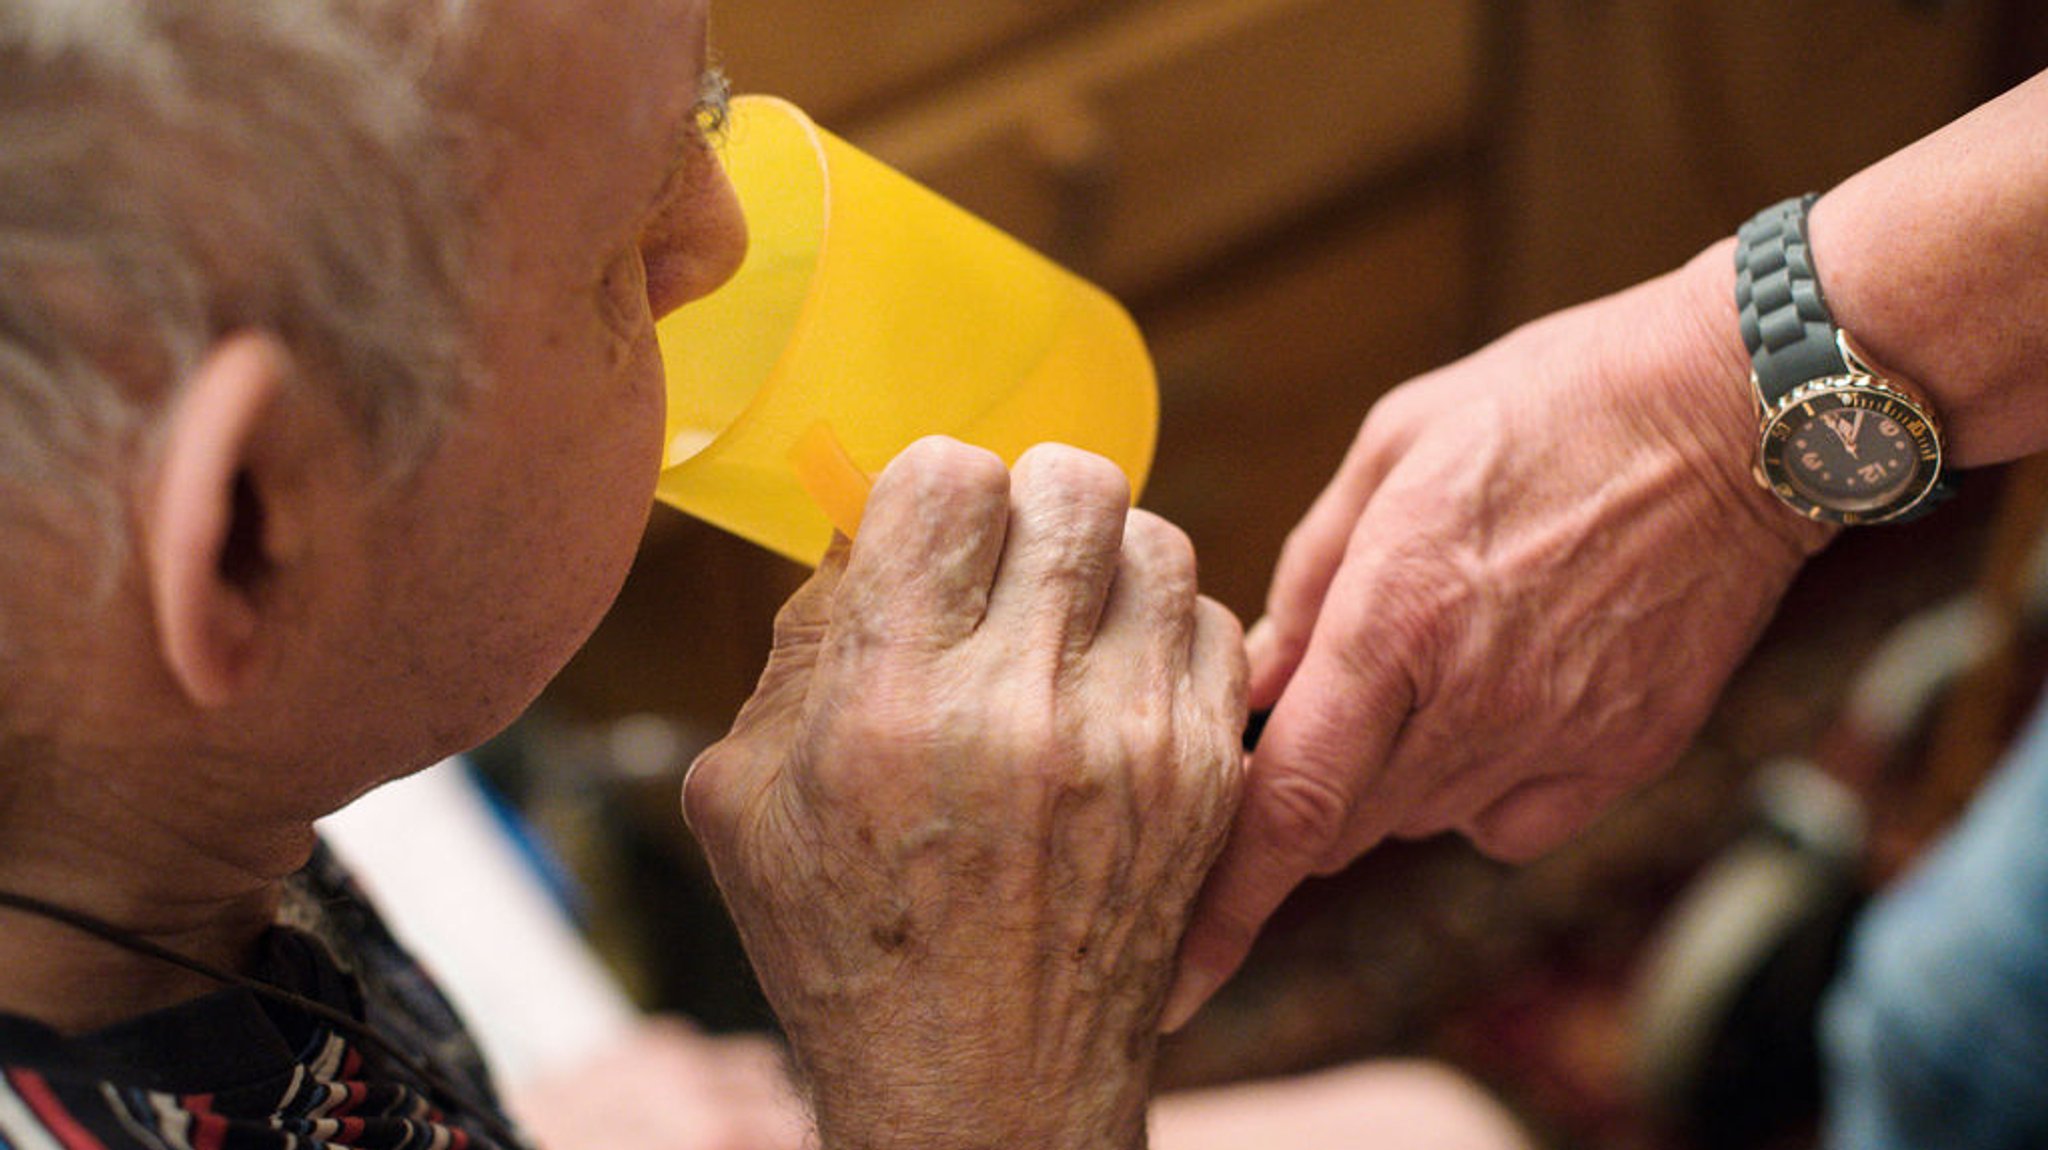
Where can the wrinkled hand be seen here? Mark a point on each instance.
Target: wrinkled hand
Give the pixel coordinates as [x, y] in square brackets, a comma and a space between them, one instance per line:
[962, 821]
[1517, 599]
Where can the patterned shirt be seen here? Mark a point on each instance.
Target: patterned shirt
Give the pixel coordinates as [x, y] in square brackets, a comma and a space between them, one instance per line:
[239, 1070]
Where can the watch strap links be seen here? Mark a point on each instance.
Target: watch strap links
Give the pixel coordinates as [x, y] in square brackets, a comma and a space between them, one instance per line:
[1784, 317]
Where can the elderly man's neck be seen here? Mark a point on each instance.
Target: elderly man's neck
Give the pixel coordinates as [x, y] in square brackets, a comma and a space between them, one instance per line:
[204, 889]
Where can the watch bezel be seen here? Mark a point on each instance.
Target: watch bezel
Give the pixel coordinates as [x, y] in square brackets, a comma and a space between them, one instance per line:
[1834, 392]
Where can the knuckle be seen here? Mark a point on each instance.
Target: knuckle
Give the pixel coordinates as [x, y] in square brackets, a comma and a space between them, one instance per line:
[1222, 622]
[1074, 475]
[938, 463]
[1163, 546]
[1160, 560]
[1304, 815]
[1220, 636]
[1074, 502]
[703, 811]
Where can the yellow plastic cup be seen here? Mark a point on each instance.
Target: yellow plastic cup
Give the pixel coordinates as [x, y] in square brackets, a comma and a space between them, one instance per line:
[871, 312]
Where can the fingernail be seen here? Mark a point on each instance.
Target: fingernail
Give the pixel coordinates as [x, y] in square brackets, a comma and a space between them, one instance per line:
[1190, 991]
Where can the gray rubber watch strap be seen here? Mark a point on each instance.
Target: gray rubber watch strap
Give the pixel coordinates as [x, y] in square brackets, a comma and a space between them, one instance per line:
[1785, 321]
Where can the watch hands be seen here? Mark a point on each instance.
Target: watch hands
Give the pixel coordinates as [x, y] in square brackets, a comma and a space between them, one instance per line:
[1846, 428]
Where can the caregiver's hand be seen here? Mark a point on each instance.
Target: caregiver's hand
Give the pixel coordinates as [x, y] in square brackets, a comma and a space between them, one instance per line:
[1516, 600]
[963, 820]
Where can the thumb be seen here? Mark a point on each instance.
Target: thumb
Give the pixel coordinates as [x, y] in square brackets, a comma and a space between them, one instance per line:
[800, 630]
[734, 766]
[1321, 749]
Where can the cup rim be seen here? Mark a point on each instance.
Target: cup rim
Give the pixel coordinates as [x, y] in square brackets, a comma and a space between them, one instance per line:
[744, 106]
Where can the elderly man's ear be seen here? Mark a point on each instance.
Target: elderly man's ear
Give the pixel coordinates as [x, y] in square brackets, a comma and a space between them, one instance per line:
[228, 518]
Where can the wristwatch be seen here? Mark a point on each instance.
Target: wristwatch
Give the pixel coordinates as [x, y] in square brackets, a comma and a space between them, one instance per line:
[1840, 440]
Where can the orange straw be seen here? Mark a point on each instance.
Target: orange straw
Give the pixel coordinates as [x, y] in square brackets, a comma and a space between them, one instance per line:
[830, 477]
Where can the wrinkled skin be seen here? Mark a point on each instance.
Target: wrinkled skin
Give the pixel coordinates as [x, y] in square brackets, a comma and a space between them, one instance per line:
[962, 821]
[1516, 600]
[1523, 589]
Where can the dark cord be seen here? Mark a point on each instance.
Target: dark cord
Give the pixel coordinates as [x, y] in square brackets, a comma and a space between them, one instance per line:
[451, 1096]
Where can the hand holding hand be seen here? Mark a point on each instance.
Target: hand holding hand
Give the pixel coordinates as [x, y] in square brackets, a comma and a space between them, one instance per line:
[1516, 600]
[963, 820]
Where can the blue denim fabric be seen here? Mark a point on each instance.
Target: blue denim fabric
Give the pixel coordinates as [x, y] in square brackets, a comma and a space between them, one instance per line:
[1936, 1033]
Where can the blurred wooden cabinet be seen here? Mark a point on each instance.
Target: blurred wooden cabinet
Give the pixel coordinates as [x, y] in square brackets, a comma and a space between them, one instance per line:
[1632, 134]
[1175, 130]
[1305, 202]
[838, 59]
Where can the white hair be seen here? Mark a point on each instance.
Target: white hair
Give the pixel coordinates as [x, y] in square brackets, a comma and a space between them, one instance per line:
[173, 170]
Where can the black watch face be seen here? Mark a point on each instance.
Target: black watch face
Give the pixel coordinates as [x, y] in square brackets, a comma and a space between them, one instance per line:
[1851, 453]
